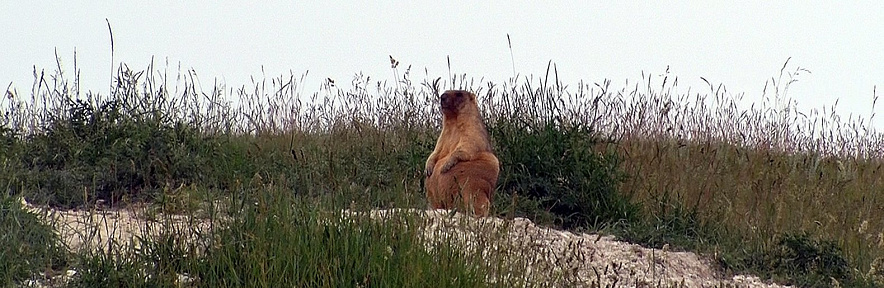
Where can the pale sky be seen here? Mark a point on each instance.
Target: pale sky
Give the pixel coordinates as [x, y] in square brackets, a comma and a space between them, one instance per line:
[739, 45]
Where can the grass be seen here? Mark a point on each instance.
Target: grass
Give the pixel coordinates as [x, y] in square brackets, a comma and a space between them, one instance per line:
[27, 244]
[789, 195]
[279, 241]
[768, 173]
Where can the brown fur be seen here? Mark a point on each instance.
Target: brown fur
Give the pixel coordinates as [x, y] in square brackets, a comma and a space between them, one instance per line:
[463, 164]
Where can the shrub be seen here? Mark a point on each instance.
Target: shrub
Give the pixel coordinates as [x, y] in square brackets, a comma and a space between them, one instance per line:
[812, 262]
[551, 174]
[111, 153]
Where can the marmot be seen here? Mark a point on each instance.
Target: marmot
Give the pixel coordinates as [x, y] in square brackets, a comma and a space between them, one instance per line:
[463, 164]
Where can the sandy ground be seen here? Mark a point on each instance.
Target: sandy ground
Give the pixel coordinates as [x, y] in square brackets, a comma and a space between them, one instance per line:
[567, 259]
[578, 260]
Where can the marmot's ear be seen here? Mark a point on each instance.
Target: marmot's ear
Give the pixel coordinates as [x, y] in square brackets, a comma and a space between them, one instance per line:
[470, 96]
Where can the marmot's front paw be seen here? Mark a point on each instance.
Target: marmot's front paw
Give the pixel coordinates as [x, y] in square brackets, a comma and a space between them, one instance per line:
[428, 171]
[447, 166]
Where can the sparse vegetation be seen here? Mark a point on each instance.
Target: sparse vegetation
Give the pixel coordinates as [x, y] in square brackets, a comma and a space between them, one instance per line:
[795, 197]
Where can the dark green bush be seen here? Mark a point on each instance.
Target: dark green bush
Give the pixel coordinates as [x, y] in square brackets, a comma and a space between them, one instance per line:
[811, 262]
[794, 259]
[112, 154]
[550, 173]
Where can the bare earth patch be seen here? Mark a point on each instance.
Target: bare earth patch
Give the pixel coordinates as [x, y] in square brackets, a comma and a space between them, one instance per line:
[589, 260]
[95, 229]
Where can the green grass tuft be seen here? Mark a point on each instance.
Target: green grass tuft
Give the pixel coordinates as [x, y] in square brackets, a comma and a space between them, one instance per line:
[27, 244]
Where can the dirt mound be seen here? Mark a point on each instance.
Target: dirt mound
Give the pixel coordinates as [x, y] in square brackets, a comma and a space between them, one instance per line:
[585, 259]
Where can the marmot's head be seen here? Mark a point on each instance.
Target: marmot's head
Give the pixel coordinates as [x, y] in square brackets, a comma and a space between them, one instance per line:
[453, 101]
